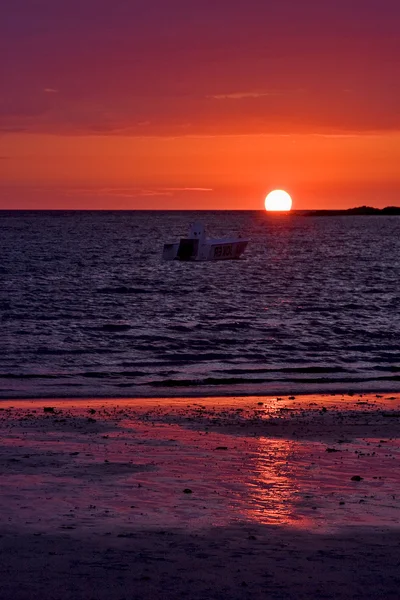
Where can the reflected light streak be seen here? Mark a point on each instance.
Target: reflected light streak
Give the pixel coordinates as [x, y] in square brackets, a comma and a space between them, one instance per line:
[275, 490]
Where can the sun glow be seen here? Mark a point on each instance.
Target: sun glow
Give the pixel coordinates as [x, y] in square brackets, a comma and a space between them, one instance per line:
[278, 200]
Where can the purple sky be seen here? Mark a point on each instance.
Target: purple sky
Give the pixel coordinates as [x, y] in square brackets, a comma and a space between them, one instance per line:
[167, 66]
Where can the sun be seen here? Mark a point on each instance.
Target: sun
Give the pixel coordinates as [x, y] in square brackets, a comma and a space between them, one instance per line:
[278, 200]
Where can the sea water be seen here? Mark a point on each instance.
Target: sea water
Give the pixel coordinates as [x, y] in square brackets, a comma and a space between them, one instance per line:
[88, 308]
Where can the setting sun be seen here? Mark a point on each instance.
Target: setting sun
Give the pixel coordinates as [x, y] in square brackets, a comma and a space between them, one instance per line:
[278, 200]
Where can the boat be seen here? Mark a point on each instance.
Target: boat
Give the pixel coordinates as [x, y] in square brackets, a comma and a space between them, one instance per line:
[196, 247]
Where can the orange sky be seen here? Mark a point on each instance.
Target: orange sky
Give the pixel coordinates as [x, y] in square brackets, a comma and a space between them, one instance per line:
[234, 172]
[172, 105]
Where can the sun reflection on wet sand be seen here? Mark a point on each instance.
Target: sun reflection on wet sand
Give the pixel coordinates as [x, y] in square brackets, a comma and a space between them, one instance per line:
[273, 487]
[310, 485]
[102, 465]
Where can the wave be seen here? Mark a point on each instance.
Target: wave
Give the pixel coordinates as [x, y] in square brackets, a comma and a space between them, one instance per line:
[286, 370]
[115, 327]
[122, 289]
[233, 381]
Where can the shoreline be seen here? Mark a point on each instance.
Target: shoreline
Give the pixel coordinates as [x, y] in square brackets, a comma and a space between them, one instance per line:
[351, 398]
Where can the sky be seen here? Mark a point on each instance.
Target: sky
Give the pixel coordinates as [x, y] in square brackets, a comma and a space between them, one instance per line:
[207, 104]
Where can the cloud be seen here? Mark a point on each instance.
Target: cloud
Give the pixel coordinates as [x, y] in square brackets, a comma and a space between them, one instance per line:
[190, 189]
[51, 91]
[7, 129]
[128, 192]
[243, 95]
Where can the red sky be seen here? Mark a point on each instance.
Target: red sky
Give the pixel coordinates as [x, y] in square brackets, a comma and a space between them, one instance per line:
[203, 104]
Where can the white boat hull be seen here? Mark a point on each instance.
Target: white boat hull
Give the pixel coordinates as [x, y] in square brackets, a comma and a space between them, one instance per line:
[217, 251]
[197, 248]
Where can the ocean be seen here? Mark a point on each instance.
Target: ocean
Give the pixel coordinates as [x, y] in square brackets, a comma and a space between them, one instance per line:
[89, 309]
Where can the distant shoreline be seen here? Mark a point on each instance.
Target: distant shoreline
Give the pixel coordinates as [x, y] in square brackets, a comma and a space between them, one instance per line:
[358, 211]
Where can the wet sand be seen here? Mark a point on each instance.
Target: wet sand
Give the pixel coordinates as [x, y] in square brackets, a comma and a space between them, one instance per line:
[201, 498]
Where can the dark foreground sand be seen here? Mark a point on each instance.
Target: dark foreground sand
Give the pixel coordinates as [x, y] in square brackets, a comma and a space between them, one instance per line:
[206, 498]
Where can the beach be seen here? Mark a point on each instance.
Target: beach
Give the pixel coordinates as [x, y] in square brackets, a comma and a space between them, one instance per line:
[237, 497]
